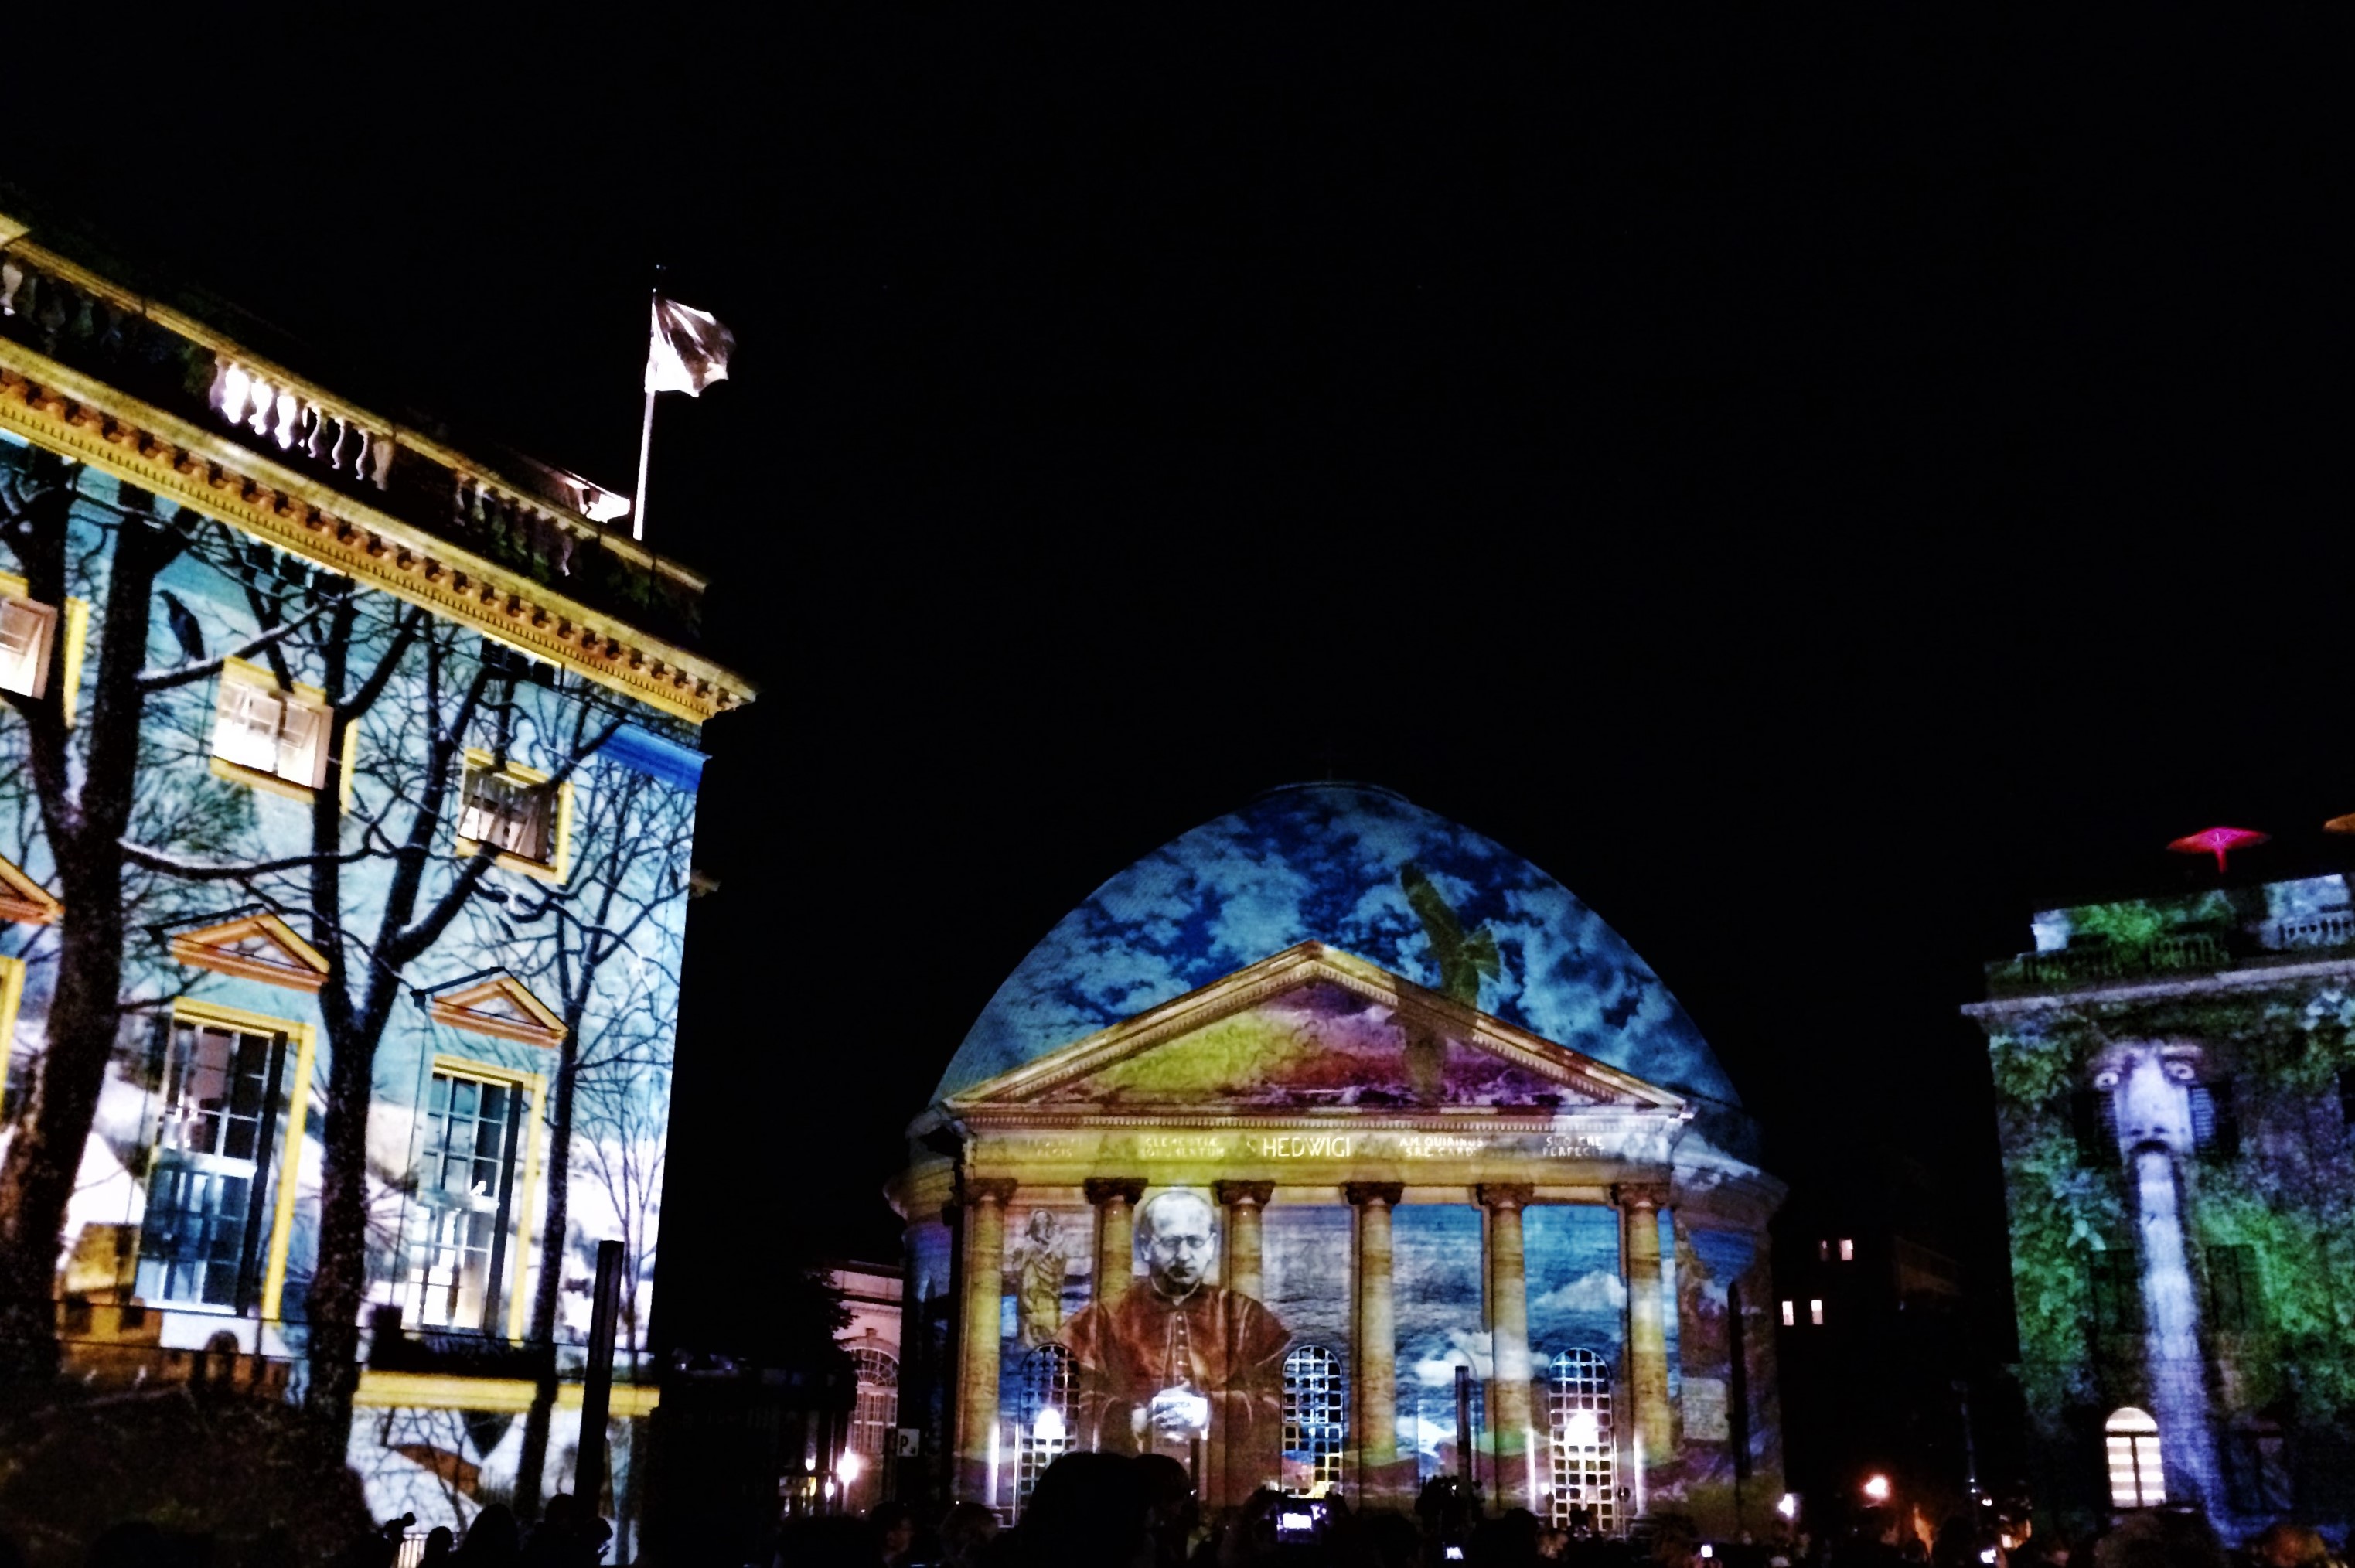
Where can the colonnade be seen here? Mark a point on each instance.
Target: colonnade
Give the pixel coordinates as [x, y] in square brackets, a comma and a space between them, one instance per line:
[1373, 1465]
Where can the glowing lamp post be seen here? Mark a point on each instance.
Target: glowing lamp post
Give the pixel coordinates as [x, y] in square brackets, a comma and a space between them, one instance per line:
[2217, 841]
[1876, 1489]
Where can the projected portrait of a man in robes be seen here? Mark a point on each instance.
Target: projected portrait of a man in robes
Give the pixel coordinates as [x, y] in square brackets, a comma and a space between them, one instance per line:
[1179, 1360]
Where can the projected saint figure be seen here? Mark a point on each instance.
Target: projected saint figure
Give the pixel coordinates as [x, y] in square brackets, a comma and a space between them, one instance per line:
[1041, 1261]
[1179, 1358]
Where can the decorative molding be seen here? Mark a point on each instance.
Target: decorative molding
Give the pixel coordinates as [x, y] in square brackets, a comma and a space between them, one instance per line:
[2255, 978]
[1506, 1194]
[1297, 965]
[1259, 1194]
[495, 1003]
[998, 1190]
[79, 416]
[24, 899]
[1103, 1190]
[1358, 1194]
[245, 947]
[1651, 1194]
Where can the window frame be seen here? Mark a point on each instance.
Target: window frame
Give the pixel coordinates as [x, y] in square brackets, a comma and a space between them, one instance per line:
[260, 1289]
[560, 840]
[2138, 1442]
[337, 752]
[70, 621]
[520, 1240]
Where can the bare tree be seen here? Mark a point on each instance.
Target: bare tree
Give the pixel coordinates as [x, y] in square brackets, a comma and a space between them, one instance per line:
[600, 946]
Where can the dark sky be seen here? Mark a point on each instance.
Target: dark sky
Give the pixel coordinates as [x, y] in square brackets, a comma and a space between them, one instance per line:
[1820, 488]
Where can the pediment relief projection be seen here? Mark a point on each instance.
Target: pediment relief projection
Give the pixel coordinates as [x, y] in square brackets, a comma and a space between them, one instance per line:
[252, 946]
[22, 899]
[499, 1004]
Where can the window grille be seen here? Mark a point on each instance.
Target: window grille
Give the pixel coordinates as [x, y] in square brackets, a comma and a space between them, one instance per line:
[2131, 1438]
[876, 1412]
[1046, 1413]
[263, 730]
[27, 627]
[1315, 1420]
[196, 1241]
[466, 1173]
[507, 813]
[1583, 1445]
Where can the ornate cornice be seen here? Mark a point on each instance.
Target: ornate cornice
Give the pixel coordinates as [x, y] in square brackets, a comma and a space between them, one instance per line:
[1506, 1194]
[1231, 1193]
[998, 1190]
[1640, 1194]
[1358, 1194]
[1128, 1189]
[79, 416]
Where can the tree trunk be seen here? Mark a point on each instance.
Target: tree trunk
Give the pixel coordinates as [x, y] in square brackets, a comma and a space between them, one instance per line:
[333, 1307]
[85, 828]
[548, 1293]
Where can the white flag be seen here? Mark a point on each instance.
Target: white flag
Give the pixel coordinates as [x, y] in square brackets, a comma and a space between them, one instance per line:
[688, 351]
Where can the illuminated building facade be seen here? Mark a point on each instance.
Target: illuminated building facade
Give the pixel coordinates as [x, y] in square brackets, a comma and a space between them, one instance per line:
[346, 795]
[2175, 1081]
[1294, 1118]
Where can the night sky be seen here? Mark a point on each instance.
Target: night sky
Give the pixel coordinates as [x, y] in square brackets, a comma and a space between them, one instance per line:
[1822, 489]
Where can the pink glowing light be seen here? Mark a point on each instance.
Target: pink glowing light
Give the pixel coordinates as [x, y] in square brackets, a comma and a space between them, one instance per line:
[2218, 841]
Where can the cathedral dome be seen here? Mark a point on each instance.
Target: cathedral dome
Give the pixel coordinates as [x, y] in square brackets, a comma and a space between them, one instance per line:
[1337, 863]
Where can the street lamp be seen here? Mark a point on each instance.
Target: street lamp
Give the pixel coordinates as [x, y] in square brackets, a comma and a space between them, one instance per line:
[1876, 1489]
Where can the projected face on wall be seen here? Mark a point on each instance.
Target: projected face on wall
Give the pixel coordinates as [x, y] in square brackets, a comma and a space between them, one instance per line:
[1180, 1240]
[1177, 1361]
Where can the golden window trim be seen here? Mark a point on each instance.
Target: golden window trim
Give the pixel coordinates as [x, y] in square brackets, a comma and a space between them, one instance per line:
[535, 1088]
[288, 1155]
[71, 626]
[12, 997]
[559, 864]
[344, 751]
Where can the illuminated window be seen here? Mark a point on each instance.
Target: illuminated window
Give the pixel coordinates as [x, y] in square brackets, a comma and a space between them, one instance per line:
[466, 1191]
[1582, 1447]
[264, 734]
[876, 1415]
[1815, 1313]
[1046, 1413]
[1790, 1314]
[1848, 1251]
[515, 813]
[28, 628]
[2131, 1438]
[1823, 1252]
[1315, 1418]
[220, 1105]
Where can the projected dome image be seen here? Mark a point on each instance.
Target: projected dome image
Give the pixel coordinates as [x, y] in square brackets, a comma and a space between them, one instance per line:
[1337, 863]
[1296, 1120]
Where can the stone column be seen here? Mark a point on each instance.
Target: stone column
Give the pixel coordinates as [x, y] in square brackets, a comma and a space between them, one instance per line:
[1512, 1442]
[1115, 1198]
[978, 1317]
[1373, 1341]
[1243, 1200]
[1647, 1339]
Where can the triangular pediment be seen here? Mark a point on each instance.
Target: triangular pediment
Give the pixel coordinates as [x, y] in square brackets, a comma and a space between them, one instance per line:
[22, 899]
[1312, 1029]
[252, 946]
[495, 1003]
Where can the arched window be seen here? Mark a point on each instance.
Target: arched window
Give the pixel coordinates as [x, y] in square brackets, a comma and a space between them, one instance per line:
[1584, 1447]
[2132, 1437]
[876, 1412]
[1046, 1413]
[1316, 1419]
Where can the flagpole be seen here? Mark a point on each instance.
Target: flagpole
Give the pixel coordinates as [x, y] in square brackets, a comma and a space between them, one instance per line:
[645, 445]
[646, 430]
